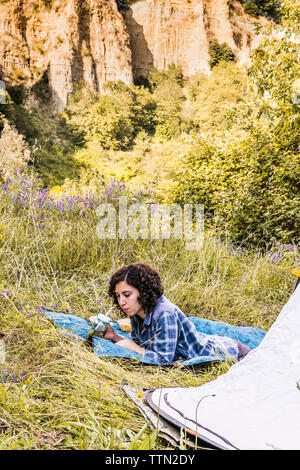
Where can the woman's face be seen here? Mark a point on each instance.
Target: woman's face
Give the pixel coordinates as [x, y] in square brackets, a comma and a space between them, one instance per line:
[127, 299]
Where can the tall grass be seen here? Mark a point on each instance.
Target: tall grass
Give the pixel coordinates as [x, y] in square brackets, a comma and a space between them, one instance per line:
[55, 393]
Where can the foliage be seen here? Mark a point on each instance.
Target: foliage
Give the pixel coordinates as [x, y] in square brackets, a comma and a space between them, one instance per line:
[269, 8]
[14, 152]
[50, 139]
[169, 97]
[167, 92]
[115, 118]
[172, 74]
[249, 188]
[219, 53]
[220, 102]
[109, 124]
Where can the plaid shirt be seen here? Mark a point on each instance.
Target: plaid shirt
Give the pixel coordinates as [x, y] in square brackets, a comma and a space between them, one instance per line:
[167, 336]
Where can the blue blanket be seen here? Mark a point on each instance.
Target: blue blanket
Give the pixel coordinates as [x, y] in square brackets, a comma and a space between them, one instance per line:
[103, 348]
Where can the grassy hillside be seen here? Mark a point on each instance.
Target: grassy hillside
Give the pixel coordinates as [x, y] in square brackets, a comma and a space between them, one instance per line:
[55, 392]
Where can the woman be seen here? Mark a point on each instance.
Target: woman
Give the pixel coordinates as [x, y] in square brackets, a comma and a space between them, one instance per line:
[160, 330]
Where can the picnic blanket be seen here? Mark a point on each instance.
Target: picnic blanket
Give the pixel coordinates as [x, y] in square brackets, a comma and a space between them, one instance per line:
[80, 327]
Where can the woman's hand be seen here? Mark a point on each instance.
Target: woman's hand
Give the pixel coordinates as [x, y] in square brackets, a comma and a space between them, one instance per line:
[112, 335]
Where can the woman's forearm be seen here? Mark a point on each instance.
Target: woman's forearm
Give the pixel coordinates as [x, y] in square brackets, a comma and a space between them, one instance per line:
[130, 344]
[120, 340]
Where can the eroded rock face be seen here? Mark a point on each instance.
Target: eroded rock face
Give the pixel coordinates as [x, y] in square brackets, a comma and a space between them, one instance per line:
[167, 31]
[179, 31]
[73, 40]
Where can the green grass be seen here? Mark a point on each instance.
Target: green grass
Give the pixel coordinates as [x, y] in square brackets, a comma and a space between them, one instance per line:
[55, 393]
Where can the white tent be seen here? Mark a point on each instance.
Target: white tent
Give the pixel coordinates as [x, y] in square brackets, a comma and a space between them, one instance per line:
[256, 404]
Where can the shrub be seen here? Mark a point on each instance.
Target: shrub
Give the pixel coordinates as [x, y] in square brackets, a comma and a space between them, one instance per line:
[109, 124]
[169, 99]
[220, 53]
[251, 8]
[114, 118]
[172, 73]
[220, 101]
[249, 188]
[50, 139]
[14, 152]
[269, 8]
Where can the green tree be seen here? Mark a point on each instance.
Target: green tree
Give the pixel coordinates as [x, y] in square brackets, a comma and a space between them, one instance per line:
[166, 87]
[219, 53]
[172, 73]
[250, 184]
[269, 8]
[274, 71]
[114, 118]
[220, 101]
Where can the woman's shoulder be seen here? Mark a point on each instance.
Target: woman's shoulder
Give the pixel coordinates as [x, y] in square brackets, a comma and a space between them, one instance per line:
[163, 301]
[163, 304]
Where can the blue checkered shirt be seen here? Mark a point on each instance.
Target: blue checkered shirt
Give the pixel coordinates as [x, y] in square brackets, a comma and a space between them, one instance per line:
[167, 335]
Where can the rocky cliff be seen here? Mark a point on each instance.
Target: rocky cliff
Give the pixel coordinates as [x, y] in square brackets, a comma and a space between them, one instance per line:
[179, 31]
[72, 40]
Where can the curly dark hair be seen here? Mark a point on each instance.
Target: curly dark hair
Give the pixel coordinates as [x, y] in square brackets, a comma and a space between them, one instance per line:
[144, 278]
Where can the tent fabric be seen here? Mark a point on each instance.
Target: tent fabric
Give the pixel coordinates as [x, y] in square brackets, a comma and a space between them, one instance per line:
[256, 404]
[80, 328]
[165, 429]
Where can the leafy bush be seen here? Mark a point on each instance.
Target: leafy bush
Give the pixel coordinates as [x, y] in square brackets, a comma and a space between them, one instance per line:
[251, 8]
[220, 101]
[14, 152]
[172, 74]
[249, 188]
[50, 139]
[115, 118]
[108, 124]
[169, 98]
[167, 92]
[219, 53]
[269, 8]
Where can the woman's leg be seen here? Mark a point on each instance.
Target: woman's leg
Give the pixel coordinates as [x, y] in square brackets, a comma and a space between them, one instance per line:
[243, 350]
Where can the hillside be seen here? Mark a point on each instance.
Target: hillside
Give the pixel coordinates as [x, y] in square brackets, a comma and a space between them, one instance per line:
[67, 41]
